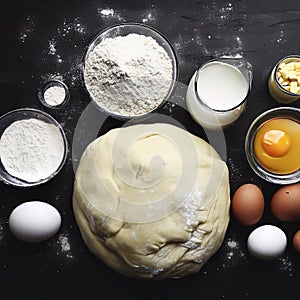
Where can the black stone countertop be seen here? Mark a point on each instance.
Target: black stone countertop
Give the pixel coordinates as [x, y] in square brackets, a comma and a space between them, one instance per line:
[45, 39]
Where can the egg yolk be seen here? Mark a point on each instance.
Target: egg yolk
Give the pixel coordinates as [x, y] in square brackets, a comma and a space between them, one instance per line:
[276, 143]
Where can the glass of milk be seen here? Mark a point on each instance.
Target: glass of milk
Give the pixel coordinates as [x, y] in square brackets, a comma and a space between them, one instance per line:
[217, 92]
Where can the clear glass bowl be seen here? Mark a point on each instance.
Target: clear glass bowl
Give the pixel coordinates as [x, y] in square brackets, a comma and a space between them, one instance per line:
[22, 114]
[280, 112]
[123, 30]
[47, 85]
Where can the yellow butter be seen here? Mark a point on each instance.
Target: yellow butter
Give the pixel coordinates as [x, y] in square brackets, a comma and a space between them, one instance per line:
[292, 75]
[297, 66]
[294, 87]
[285, 82]
[290, 66]
[284, 74]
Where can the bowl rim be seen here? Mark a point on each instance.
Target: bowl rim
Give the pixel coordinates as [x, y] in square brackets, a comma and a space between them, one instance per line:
[53, 121]
[173, 57]
[265, 174]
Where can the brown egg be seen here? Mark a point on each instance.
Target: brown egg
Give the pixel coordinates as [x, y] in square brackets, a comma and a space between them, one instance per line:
[248, 204]
[296, 241]
[285, 203]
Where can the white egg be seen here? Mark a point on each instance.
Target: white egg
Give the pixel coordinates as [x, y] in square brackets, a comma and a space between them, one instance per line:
[34, 221]
[267, 242]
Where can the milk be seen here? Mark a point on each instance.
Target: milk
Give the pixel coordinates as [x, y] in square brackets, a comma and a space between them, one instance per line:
[216, 94]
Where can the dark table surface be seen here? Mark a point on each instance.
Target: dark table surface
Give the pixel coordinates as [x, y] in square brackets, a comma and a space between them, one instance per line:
[45, 39]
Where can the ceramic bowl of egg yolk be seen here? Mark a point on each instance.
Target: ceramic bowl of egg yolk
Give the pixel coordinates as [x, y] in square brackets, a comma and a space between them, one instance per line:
[272, 145]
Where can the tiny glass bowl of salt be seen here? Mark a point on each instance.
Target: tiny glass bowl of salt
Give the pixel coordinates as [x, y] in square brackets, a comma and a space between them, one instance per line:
[129, 70]
[33, 147]
[54, 94]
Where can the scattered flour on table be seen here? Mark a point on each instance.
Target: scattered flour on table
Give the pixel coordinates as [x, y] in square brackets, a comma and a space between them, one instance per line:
[226, 10]
[234, 253]
[212, 45]
[149, 16]
[286, 265]
[179, 44]
[63, 32]
[27, 29]
[234, 171]
[233, 47]
[128, 75]
[230, 45]
[64, 245]
[109, 13]
[52, 48]
[106, 12]
[78, 27]
[31, 149]
[73, 75]
[69, 27]
[220, 13]
[50, 76]
[281, 39]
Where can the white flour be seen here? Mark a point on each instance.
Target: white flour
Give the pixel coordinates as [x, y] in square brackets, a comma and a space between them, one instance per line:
[64, 244]
[149, 16]
[54, 95]
[128, 75]
[52, 48]
[286, 265]
[27, 30]
[53, 51]
[234, 253]
[31, 149]
[69, 27]
[106, 12]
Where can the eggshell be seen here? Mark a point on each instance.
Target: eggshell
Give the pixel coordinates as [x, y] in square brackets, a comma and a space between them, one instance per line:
[267, 242]
[34, 221]
[296, 241]
[285, 203]
[248, 204]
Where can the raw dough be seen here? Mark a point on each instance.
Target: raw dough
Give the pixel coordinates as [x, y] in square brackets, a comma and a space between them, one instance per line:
[152, 201]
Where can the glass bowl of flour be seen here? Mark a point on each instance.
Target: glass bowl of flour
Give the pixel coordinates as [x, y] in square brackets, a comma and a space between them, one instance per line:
[129, 70]
[33, 147]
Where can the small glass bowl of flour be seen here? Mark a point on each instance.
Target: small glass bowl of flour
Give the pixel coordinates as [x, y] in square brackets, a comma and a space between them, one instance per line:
[33, 147]
[54, 94]
[129, 70]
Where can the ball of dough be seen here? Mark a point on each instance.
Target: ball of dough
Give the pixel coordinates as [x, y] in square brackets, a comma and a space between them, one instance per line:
[152, 201]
